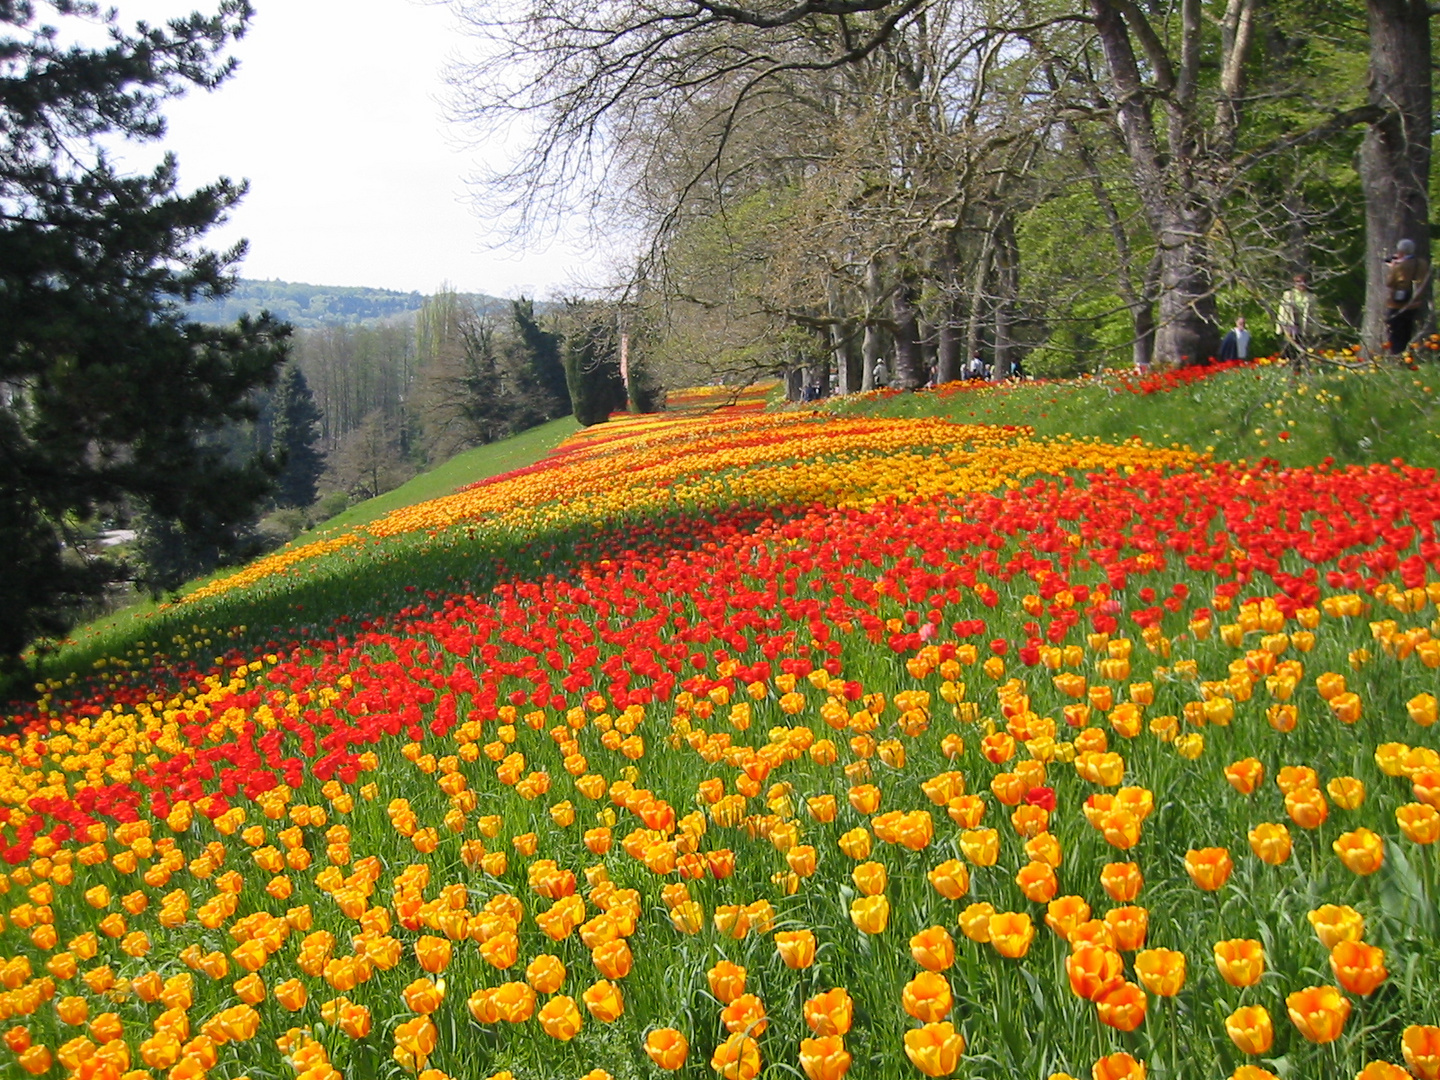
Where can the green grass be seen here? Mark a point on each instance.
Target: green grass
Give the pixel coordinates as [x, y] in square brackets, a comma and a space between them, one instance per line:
[116, 633]
[1354, 417]
[513, 453]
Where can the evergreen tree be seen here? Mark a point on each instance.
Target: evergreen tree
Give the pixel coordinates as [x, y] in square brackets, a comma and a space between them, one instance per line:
[592, 363]
[109, 397]
[296, 428]
[541, 351]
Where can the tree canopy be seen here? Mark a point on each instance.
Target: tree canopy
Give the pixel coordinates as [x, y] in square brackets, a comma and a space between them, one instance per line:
[111, 402]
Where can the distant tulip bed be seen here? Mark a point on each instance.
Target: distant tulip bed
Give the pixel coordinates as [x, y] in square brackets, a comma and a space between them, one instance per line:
[836, 747]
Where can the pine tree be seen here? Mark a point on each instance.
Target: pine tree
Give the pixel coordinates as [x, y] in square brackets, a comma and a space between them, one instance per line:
[296, 428]
[109, 399]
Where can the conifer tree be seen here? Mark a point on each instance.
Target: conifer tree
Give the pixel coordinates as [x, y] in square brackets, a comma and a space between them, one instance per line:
[110, 399]
[296, 428]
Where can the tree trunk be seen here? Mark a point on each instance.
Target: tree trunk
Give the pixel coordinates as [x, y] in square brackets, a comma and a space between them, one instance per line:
[1188, 333]
[1142, 312]
[977, 298]
[870, 351]
[909, 359]
[1007, 271]
[1395, 155]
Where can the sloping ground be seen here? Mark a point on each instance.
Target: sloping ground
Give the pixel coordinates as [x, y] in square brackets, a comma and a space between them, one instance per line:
[745, 743]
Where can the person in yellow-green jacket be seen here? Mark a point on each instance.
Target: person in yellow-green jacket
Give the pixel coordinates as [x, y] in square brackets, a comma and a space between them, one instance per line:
[1295, 319]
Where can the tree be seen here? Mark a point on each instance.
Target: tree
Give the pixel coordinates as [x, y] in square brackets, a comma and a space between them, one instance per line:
[1395, 156]
[540, 350]
[109, 398]
[296, 428]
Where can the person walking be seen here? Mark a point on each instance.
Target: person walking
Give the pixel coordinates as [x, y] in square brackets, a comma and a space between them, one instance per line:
[1406, 276]
[1295, 318]
[882, 374]
[1236, 343]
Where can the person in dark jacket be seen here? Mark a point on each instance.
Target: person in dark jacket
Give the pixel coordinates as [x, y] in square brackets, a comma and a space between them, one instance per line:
[1236, 345]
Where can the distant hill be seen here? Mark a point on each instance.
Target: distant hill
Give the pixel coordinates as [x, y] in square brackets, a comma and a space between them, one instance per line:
[311, 306]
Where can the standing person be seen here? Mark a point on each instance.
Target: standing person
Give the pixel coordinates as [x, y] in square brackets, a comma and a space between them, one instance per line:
[1236, 345]
[882, 374]
[1406, 275]
[1295, 318]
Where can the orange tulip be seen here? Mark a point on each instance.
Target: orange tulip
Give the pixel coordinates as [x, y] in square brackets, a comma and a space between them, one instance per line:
[871, 914]
[1010, 934]
[737, 1058]
[1362, 851]
[545, 973]
[1358, 967]
[950, 879]
[513, 1002]
[1064, 913]
[560, 1019]
[1128, 926]
[935, 1049]
[980, 846]
[727, 981]
[796, 948]
[1382, 1070]
[355, 1021]
[604, 1001]
[927, 997]
[291, 995]
[1319, 1012]
[933, 949]
[1241, 961]
[667, 1048]
[1246, 775]
[870, 878]
[423, 996]
[1118, 1067]
[856, 843]
[1420, 823]
[1122, 882]
[1122, 1007]
[975, 922]
[1037, 882]
[433, 954]
[482, 1006]
[1334, 923]
[1093, 970]
[1209, 868]
[1420, 1044]
[415, 1041]
[824, 1058]
[35, 1059]
[802, 859]
[613, 959]
[1271, 843]
[1347, 792]
[829, 1013]
[1161, 970]
[1307, 807]
[1250, 1029]
[250, 989]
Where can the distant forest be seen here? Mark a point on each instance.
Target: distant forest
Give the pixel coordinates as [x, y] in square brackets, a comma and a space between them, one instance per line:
[309, 307]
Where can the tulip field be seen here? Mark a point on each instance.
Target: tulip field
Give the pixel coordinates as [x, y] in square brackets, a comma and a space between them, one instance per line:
[774, 744]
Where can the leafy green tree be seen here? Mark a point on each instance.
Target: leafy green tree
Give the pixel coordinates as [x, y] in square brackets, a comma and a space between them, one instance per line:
[296, 428]
[109, 397]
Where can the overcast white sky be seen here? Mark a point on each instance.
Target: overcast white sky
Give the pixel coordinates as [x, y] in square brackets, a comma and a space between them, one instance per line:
[336, 119]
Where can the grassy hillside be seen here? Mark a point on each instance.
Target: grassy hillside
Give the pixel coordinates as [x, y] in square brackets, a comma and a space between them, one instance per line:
[1353, 416]
[119, 633]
